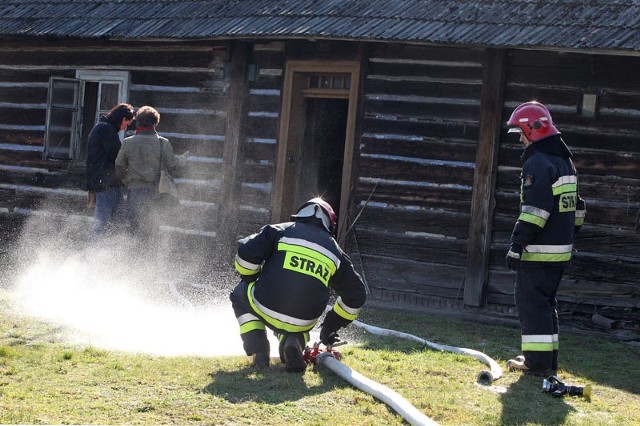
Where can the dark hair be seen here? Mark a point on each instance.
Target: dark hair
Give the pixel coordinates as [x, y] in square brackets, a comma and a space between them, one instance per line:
[147, 117]
[120, 111]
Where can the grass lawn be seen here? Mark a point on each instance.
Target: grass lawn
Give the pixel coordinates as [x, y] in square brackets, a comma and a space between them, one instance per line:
[46, 380]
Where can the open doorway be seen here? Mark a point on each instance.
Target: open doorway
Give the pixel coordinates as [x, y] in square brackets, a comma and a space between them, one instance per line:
[322, 151]
[316, 137]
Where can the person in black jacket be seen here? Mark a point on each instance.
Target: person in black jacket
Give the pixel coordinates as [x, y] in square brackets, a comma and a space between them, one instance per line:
[102, 149]
[551, 213]
[287, 270]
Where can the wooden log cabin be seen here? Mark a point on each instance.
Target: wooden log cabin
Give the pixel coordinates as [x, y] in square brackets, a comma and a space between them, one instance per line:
[395, 111]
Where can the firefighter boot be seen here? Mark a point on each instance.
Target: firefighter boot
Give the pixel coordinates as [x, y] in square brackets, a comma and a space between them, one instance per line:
[293, 359]
[260, 360]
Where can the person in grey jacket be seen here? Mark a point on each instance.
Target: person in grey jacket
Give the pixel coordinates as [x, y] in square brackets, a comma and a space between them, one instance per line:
[138, 165]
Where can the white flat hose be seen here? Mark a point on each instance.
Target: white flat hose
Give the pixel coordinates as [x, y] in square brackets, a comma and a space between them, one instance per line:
[484, 377]
[381, 392]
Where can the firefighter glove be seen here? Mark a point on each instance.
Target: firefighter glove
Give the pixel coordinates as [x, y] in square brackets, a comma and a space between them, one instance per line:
[329, 328]
[513, 256]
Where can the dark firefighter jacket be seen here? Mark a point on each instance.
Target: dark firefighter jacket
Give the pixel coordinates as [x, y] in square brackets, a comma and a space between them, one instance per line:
[551, 210]
[296, 263]
[103, 145]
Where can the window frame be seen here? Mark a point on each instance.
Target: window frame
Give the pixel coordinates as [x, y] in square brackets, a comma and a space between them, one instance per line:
[101, 77]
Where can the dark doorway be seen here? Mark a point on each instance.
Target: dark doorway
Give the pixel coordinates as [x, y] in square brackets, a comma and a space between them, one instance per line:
[316, 137]
[322, 150]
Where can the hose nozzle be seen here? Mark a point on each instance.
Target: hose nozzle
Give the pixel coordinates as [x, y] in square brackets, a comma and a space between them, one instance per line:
[557, 388]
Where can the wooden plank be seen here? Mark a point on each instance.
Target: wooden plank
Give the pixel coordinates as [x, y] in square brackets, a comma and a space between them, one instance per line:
[203, 123]
[412, 277]
[170, 80]
[435, 109]
[20, 137]
[590, 294]
[259, 153]
[457, 199]
[24, 94]
[198, 147]
[422, 128]
[482, 203]
[451, 90]
[437, 149]
[8, 198]
[177, 57]
[261, 126]
[426, 248]
[160, 99]
[234, 138]
[412, 221]
[434, 70]
[413, 170]
[437, 53]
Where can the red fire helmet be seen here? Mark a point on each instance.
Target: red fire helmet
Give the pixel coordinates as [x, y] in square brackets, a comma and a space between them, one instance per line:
[533, 119]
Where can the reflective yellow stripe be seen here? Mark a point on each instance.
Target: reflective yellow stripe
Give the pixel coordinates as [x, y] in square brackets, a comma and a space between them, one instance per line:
[535, 211]
[251, 325]
[547, 253]
[536, 220]
[314, 254]
[567, 187]
[546, 257]
[246, 264]
[539, 342]
[307, 261]
[245, 271]
[537, 347]
[564, 182]
[300, 327]
[299, 242]
[344, 314]
[345, 311]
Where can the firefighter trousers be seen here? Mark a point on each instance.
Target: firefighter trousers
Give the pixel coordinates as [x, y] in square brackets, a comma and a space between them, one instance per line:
[253, 329]
[535, 300]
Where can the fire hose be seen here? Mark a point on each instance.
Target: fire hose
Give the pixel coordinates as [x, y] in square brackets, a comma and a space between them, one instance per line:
[331, 360]
[484, 377]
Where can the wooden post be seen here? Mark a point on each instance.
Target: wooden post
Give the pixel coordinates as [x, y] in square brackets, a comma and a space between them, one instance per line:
[483, 199]
[234, 140]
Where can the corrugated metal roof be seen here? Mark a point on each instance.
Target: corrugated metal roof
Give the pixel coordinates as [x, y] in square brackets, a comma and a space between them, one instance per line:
[590, 24]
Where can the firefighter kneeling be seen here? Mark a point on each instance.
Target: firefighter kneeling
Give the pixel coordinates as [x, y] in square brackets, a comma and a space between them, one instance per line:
[287, 272]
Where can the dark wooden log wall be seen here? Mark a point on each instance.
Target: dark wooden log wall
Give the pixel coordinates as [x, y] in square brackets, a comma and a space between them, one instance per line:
[604, 277]
[184, 81]
[261, 129]
[418, 133]
[420, 130]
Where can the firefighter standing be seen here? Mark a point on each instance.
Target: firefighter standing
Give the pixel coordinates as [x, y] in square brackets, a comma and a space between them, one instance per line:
[551, 213]
[287, 270]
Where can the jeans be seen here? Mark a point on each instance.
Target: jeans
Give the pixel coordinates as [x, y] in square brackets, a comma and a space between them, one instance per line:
[109, 215]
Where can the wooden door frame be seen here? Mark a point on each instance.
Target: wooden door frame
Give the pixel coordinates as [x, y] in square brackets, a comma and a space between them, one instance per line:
[292, 68]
